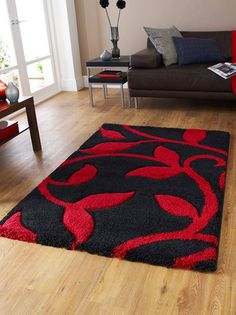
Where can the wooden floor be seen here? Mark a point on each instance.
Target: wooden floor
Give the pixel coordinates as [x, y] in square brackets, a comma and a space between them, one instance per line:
[42, 280]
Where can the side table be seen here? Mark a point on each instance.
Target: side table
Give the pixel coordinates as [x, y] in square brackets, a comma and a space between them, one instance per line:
[113, 64]
[26, 102]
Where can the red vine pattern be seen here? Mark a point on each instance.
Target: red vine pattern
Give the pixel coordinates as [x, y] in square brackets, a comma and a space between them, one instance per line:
[79, 221]
[14, 229]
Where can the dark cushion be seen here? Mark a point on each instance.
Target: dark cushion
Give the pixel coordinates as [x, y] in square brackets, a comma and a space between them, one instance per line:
[197, 50]
[223, 40]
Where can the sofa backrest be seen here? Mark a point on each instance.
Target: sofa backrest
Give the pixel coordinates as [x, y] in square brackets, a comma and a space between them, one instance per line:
[223, 39]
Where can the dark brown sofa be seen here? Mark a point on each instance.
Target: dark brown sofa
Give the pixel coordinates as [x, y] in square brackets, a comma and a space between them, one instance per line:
[148, 77]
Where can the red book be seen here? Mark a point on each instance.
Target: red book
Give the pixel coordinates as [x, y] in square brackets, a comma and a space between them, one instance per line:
[110, 74]
[8, 129]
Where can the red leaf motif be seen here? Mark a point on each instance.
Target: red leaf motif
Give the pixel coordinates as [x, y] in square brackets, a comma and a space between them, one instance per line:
[166, 156]
[78, 222]
[190, 261]
[194, 135]
[220, 163]
[110, 147]
[13, 228]
[156, 172]
[177, 206]
[111, 134]
[106, 200]
[222, 180]
[85, 174]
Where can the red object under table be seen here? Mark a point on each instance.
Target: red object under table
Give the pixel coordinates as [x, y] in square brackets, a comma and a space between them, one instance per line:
[8, 129]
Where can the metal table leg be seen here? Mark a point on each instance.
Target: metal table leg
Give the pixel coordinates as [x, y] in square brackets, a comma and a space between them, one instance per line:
[90, 87]
[91, 94]
[129, 99]
[105, 90]
[136, 102]
[122, 96]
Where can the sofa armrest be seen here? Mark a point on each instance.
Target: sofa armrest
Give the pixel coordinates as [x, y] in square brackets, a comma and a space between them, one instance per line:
[146, 58]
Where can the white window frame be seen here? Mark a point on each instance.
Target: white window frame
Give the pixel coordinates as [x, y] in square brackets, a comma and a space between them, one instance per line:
[64, 46]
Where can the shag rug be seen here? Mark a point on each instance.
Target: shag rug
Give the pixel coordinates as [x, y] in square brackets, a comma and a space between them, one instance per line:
[146, 194]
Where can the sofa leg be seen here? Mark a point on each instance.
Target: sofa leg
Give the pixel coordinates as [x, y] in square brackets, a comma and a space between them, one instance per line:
[136, 102]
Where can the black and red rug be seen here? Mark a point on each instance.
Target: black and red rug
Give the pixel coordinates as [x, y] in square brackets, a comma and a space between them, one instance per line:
[153, 195]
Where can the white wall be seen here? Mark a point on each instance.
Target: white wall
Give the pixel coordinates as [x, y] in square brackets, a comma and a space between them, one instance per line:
[88, 21]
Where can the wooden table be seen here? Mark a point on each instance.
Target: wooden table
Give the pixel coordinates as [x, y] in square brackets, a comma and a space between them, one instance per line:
[26, 102]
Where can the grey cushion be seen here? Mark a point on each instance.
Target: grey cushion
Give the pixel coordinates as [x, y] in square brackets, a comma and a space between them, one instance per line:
[163, 42]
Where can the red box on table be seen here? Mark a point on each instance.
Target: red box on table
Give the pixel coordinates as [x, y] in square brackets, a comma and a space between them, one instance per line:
[8, 129]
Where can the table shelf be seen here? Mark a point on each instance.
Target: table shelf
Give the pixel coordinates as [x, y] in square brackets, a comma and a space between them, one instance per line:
[117, 80]
[22, 128]
[26, 102]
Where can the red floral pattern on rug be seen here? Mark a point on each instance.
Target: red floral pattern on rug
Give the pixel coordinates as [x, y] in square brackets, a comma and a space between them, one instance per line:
[145, 194]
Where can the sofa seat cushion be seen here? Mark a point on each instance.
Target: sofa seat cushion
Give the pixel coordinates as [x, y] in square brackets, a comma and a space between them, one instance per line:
[194, 77]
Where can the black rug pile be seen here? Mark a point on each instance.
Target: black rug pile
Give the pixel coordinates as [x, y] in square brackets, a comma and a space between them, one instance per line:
[153, 195]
